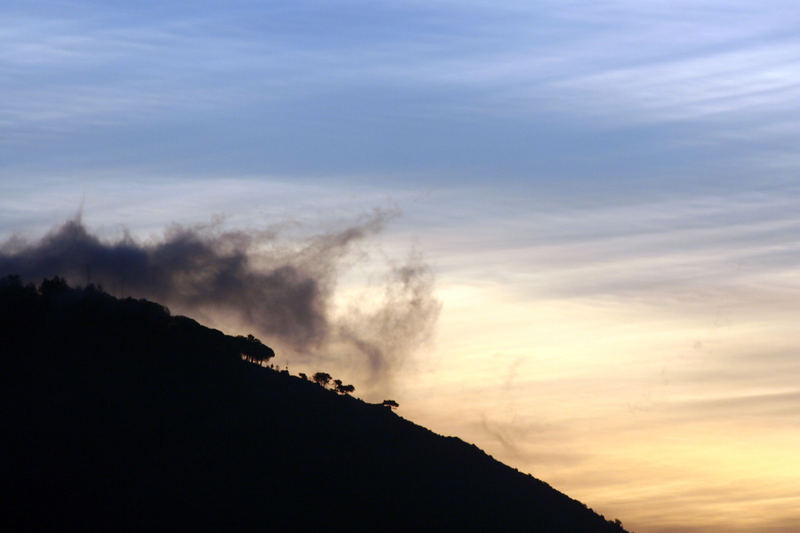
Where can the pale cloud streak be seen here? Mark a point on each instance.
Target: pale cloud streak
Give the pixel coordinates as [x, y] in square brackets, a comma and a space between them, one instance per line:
[625, 61]
[653, 340]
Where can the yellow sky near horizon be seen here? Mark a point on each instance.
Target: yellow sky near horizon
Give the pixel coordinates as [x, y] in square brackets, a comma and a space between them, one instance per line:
[643, 413]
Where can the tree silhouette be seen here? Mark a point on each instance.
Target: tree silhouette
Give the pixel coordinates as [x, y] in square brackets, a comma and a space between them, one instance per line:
[343, 389]
[391, 404]
[53, 286]
[253, 350]
[322, 379]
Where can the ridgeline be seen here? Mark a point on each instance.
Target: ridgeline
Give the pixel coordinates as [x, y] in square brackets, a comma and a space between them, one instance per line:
[120, 416]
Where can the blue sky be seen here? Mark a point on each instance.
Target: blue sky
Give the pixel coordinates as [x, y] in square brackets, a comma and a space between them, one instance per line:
[607, 192]
[675, 95]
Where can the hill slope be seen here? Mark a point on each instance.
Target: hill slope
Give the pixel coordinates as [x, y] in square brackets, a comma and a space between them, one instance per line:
[120, 416]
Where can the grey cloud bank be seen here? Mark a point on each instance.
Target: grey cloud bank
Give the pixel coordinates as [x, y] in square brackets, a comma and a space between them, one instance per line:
[282, 291]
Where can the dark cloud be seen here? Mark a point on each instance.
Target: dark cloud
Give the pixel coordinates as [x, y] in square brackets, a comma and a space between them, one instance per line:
[529, 443]
[283, 290]
[401, 321]
[507, 442]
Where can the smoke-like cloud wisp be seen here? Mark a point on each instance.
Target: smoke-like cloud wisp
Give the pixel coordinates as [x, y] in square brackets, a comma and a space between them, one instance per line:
[403, 318]
[282, 290]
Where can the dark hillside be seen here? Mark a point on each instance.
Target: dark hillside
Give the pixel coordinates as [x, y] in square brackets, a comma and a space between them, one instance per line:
[118, 415]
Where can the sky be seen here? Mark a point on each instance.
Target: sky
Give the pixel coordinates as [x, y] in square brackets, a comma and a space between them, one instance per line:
[601, 199]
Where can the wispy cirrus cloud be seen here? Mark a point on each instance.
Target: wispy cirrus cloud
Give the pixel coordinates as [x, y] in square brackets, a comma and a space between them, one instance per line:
[668, 61]
[455, 89]
[654, 338]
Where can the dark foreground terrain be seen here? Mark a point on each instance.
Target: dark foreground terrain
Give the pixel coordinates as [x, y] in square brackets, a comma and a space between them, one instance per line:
[117, 415]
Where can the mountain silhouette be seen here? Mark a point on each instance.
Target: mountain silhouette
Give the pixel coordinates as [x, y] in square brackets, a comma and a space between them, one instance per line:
[119, 416]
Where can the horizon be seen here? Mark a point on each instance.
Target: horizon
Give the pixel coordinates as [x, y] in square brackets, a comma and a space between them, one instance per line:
[564, 232]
